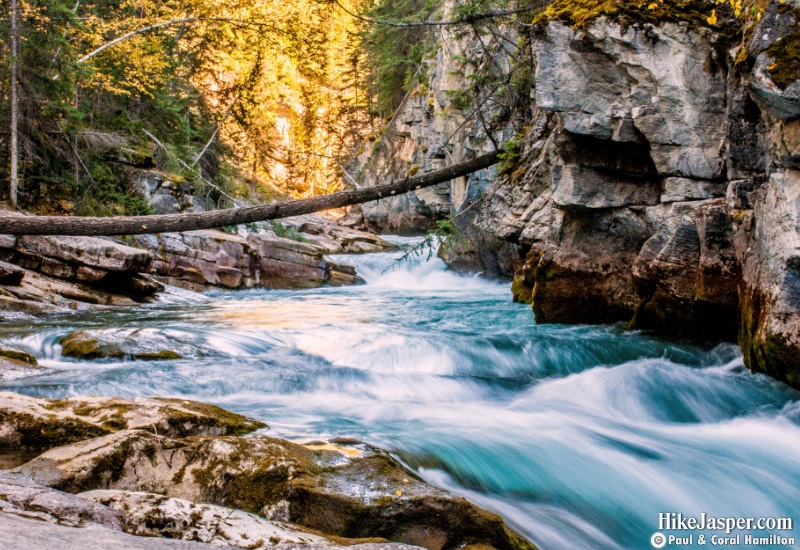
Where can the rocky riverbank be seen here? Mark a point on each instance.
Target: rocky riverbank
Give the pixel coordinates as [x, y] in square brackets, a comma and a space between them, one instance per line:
[178, 469]
[47, 274]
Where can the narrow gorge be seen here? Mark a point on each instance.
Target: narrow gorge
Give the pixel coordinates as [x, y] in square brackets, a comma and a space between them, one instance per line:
[556, 352]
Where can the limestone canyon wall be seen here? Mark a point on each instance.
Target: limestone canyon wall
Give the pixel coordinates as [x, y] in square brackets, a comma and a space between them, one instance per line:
[656, 181]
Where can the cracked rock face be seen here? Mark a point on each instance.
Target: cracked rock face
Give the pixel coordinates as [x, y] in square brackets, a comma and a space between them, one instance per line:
[660, 85]
[658, 185]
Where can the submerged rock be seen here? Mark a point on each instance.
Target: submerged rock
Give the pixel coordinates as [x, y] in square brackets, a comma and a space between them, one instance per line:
[356, 494]
[29, 423]
[117, 344]
[18, 356]
[17, 364]
[12, 370]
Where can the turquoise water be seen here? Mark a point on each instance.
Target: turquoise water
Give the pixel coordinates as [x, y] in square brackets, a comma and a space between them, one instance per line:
[578, 436]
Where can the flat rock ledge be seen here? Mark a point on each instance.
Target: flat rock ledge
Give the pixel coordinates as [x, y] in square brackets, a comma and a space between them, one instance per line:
[178, 469]
[41, 275]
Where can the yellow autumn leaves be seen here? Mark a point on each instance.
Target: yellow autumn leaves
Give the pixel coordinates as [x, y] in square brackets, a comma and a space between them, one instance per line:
[754, 8]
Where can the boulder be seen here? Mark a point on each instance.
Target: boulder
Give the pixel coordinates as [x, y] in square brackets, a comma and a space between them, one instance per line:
[18, 356]
[31, 533]
[333, 238]
[40, 294]
[341, 491]
[22, 533]
[30, 423]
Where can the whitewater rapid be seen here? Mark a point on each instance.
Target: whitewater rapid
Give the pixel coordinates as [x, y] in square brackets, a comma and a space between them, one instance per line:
[578, 436]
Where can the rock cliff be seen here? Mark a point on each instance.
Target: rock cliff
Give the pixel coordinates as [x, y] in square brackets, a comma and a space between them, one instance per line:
[655, 180]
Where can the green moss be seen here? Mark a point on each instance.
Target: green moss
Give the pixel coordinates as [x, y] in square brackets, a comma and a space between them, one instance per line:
[580, 13]
[78, 345]
[204, 414]
[139, 158]
[785, 54]
[106, 469]
[44, 433]
[19, 356]
[547, 271]
[261, 484]
[522, 292]
[263, 487]
[287, 232]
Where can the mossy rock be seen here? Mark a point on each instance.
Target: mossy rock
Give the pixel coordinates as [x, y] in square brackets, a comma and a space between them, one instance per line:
[30, 432]
[83, 345]
[581, 13]
[522, 293]
[785, 55]
[164, 355]
[80, 345]
[19, 357]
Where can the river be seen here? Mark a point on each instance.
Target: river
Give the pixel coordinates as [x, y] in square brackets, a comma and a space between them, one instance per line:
[579, 436]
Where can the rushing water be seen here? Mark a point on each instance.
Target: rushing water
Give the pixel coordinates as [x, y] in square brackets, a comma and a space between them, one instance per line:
[578, 436]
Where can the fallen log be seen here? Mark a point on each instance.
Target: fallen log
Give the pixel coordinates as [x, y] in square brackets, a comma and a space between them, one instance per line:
[169, 223]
